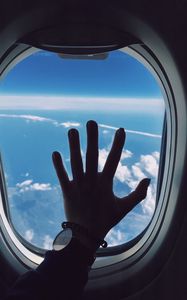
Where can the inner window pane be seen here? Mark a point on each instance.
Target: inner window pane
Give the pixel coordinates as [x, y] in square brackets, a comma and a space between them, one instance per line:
[44, 96]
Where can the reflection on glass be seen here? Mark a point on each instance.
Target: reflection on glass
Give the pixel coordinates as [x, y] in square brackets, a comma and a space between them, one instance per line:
[44, 96]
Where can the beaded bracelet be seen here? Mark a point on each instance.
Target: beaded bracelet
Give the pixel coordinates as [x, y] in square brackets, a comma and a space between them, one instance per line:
[86, 232]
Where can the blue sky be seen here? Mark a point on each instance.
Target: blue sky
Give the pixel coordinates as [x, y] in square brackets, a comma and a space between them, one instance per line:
[44, 73]
[46, 81]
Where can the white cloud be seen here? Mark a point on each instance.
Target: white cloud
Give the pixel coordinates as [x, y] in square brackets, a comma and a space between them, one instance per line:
[26, 117]
[126, 154]
[105, 131]
[103, 154]
[129, 227]
[137, 172]
[28, 185]
[82, 103]
[108, 127]
[144, 133]
[132, 131]
[134, 223]
[47, 242]
[69, 124]
[148, 204]
[115, 237]
[149, 163]
[12, 191]
[147, 166]
[34, 118]
[29, 234]
[156, 154]
[41, 186]
[122, 173]
[24, 183]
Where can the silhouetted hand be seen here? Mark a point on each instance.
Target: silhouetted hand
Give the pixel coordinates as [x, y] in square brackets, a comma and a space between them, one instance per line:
[89, 199]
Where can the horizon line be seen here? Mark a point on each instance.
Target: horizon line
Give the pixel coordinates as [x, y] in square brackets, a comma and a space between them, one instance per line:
[80, 103]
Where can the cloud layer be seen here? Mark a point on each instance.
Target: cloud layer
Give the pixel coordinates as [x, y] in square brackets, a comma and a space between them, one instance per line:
[29, 185]
[81, 103]
[35, 118]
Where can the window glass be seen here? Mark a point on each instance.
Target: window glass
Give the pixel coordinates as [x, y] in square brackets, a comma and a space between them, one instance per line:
[44, 96]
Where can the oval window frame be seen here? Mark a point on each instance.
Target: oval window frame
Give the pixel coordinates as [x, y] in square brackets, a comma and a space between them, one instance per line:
[110, 254]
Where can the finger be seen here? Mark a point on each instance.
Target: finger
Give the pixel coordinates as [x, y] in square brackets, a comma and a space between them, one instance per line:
[115, 154]
[60, 171]
[92, 150]
[127, 203]
[75, 155]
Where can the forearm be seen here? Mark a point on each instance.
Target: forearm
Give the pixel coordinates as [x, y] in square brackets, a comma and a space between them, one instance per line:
[62, 274]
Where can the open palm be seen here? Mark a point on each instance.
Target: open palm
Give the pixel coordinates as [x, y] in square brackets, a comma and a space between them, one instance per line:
[89, 199]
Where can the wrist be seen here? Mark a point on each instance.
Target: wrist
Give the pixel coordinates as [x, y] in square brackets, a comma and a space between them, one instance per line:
[85, 237]
[87, 242]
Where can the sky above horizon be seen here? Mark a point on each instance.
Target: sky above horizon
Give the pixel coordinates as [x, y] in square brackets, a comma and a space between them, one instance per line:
[119, 75]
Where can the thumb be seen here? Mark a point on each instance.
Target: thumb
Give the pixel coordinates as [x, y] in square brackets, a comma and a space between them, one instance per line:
[126, 204]
[141, 189]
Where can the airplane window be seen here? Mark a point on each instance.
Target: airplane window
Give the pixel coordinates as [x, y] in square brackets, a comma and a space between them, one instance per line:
[45, 95]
